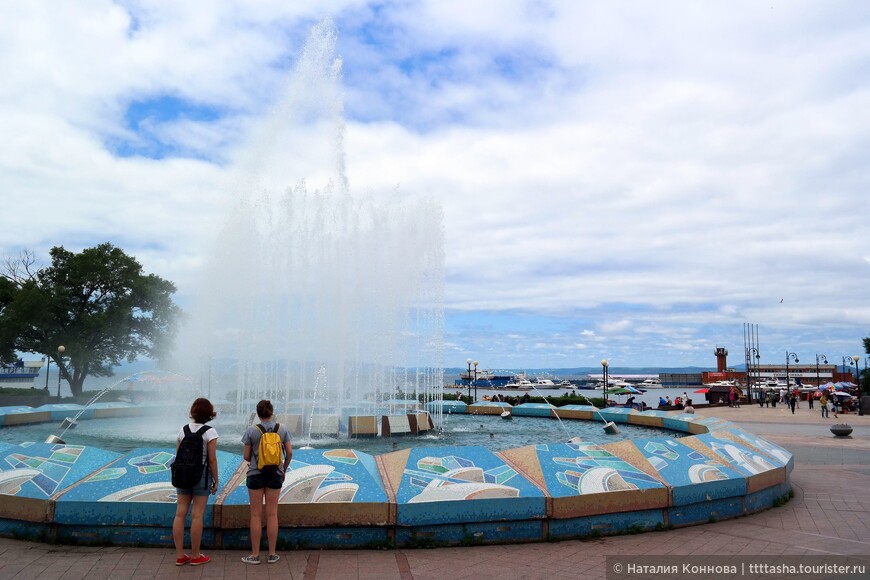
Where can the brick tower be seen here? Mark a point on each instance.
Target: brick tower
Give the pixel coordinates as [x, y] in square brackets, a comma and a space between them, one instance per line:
[721, 357]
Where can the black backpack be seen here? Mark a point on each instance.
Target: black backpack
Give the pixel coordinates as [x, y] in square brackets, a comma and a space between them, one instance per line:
[189, 463]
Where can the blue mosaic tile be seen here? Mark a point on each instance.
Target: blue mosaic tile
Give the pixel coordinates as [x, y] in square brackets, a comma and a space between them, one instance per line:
[771, 450]
[41, 470]
[326, 475]
[447, 407]
[472, 533]
[533, 410]
[572, 469]
[35, 532]
[703, 512]
[314, 538]
[134, 489]
[121, 535]
[617, 414]
[765, 498]
[443, 485]
[693, 476]
[678, 422]
[739, 457]
[607, 524]
[60, 411]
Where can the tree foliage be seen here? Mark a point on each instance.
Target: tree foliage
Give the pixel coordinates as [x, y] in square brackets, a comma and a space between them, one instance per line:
[97, 303]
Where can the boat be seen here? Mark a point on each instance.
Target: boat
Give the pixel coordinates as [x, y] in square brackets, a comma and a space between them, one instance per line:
[521, 385]
[721, 384]
[545, 383]
[651, 383]
[20, 374]
[611, 384]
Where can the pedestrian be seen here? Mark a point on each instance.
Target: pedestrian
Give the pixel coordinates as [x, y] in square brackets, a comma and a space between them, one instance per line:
[264, 485]
[201, 412]
[792, 402]
[823, 404]
[767, 399]
[810, 400]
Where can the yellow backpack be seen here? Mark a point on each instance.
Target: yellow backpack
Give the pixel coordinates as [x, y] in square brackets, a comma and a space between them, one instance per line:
[270, 453]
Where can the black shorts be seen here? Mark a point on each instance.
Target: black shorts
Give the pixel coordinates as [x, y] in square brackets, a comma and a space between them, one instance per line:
[273, 480]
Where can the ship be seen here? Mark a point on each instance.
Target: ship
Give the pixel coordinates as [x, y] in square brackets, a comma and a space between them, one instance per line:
[20, 374]
[484, 379]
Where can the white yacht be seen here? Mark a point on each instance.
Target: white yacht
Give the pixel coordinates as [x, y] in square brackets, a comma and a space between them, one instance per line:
[651, 383]
[521, 385]
[546, 383]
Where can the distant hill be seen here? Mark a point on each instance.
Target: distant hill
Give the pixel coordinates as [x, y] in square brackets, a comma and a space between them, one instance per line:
[581, 372]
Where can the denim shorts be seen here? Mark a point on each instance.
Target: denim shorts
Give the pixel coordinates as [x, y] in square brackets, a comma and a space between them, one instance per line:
[201, 488]
[273, 480]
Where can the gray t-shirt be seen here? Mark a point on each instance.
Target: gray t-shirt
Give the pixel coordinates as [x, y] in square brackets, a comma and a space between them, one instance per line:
[252, 437]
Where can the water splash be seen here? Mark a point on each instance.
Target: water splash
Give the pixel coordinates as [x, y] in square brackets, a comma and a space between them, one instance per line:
[309, 277]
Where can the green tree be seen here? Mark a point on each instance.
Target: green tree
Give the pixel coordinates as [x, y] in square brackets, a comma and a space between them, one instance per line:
[98, 304]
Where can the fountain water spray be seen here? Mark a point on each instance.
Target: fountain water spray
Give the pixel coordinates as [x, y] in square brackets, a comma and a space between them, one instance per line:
[308, 278]
[609, 426]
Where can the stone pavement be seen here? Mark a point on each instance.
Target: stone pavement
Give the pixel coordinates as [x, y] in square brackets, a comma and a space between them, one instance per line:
[830, 514]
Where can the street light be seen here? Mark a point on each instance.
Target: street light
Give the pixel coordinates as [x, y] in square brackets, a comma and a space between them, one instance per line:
[824, 359]
[604, 365]
[789, 355]
[60, 350]
[475, 381]
[47, 372]
[855, 359]
[468, 377]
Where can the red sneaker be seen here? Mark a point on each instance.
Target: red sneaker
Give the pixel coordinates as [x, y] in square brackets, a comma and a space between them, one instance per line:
[182, 561]
[201, 559]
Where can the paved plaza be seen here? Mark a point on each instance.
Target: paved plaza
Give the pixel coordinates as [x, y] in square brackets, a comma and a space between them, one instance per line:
[829, 515]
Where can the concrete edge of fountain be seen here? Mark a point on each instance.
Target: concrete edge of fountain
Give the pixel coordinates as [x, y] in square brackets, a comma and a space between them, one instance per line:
[419, 496]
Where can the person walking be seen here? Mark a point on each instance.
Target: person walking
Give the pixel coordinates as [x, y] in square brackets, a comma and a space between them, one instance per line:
[823, 404]
[792, 402]
[201, 412]
[264, 485]
[810, 400]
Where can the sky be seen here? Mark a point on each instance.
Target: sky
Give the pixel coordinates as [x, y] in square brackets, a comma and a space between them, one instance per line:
[625, 181]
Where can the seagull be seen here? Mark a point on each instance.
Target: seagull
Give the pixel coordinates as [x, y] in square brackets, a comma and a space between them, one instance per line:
[780, 300]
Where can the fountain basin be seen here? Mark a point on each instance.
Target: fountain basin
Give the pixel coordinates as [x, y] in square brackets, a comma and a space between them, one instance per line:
[545, 491]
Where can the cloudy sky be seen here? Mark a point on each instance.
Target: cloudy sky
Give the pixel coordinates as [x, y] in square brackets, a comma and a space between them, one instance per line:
[631, 181]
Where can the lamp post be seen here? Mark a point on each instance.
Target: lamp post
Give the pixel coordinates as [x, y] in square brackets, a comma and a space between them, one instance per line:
[749, 353]
[855, 359]
[60, 350]
[824, 359]
[468, 377]
[47, 372]
[789, 355]
[475, 380]
[604, 365]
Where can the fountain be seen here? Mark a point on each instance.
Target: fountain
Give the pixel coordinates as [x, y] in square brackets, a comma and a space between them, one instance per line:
[330, 303]
[315, 290]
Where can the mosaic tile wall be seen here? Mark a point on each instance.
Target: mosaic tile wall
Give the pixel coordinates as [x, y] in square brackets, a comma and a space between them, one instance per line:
[424, 495]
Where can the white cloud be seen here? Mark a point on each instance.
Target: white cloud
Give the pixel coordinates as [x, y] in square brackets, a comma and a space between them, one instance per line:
[660, 173]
